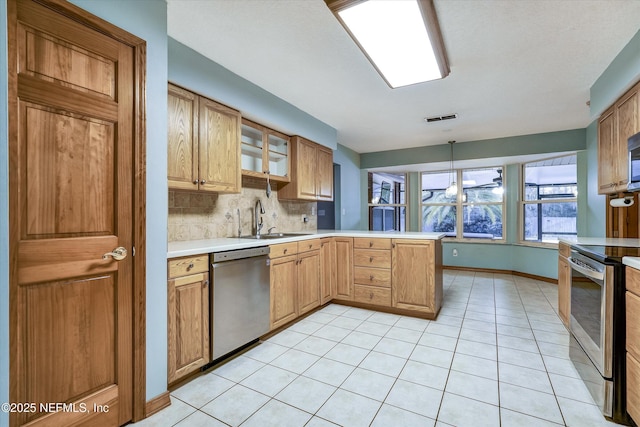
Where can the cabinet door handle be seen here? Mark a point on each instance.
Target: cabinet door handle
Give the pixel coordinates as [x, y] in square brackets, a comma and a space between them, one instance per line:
[370, 244]
[205, 284]
[371, 295]
[190, 266]
[195, 182]
[371, 278]
[310, 246]
[370, 259]
[285, 251]
[203, 182]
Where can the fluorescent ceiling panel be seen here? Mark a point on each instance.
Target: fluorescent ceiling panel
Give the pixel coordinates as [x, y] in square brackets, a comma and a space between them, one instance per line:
[394, 37]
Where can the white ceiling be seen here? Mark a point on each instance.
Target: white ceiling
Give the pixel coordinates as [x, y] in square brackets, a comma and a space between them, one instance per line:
[517, 66]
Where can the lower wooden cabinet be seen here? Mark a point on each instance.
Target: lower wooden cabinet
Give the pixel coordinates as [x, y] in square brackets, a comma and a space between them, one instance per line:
[188, 316]
[632, 298]
[309, 277]
[344, 268]
[416, 270]
[295, 280]
[372, 271]
[284, 293]
[564, 283]
[328, 269]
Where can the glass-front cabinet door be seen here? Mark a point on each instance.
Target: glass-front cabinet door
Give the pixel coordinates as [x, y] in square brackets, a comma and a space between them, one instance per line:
[264, 152]
[278, 155]
[252, 148]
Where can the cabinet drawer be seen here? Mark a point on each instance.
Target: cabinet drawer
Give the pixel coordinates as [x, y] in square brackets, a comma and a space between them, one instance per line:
[283, 249]
[188, 265]
[372, 295]
[309, 245]
[372, 276]
[372, 258]
[633, 324]
[376, 243]
[564, 250]
[633, 280]
[633, 387]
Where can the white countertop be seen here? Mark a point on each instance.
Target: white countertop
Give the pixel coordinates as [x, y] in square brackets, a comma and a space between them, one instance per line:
[603, 241]
[196, 247]
[631, 261]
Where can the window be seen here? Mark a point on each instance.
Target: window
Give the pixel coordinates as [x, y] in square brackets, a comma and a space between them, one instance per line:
[549, 205]
[481, 203]
[387, 202]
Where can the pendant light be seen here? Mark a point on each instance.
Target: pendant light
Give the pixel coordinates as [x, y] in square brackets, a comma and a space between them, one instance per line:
[452, 189]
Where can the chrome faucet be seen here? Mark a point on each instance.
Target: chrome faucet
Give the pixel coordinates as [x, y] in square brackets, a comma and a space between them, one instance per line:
[259, 224]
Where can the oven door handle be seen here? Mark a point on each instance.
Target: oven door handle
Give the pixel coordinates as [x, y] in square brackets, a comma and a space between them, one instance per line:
[589, 273]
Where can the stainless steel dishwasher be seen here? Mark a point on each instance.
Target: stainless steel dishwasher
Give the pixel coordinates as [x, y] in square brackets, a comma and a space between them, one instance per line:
[240, 298]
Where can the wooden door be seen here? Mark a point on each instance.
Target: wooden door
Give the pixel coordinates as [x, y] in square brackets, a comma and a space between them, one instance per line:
[344, 268]
[308, 281]
[413, 275]
[74, 121]
[182, 158]
[283, 278]
[607, 170]
[306, 159]
[627, 125]
[325, 174]
[219, 148]
[188, 324]
[328, 266]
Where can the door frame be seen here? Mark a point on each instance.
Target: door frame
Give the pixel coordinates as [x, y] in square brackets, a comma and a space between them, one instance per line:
[139, 191]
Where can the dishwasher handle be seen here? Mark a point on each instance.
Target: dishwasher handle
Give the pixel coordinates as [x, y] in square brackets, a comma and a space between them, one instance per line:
[239, 254]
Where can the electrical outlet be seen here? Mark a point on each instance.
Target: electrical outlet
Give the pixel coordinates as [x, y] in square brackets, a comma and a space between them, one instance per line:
[455, 252]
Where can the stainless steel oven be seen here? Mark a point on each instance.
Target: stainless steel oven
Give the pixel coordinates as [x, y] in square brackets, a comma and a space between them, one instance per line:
[591, 324]
[597, 325]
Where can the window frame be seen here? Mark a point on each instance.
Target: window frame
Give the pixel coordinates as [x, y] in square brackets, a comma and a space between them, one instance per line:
[522, 203]
[396, 206]
[460, 204]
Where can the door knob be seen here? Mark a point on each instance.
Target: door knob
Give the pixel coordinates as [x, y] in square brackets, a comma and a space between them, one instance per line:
[118, 254]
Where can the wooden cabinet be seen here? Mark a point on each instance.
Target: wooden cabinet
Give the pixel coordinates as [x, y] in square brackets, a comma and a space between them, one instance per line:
[615, 126]
[188, 316]
[203, 144]
[416, 268]
[372, 271]
[328, 269]
[284, 293]
[264, 152]
[344, 268]
[564, 283]
[311, 172]
[309, 278]
[295, 276]
[633, 342]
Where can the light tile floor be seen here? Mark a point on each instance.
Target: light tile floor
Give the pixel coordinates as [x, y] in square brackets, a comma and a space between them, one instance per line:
[496, 356]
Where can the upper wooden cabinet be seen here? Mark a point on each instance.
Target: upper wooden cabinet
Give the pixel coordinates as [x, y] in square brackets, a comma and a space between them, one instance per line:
[615, 126]
[264, 152]
[311, 172]
[203, 144]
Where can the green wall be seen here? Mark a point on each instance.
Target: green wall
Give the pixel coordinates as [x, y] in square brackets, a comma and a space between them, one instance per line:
[552, 142]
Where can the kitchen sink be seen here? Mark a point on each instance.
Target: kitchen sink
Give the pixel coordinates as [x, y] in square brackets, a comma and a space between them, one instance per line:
[273, 236]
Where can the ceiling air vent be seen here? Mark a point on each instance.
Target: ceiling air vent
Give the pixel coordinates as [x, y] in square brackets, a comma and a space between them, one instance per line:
[440, 118]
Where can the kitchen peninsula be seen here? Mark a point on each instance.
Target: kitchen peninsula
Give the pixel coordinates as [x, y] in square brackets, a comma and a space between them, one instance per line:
[397, 272]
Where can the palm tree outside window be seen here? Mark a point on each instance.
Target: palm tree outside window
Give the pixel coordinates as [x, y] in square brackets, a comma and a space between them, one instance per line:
[474, 212]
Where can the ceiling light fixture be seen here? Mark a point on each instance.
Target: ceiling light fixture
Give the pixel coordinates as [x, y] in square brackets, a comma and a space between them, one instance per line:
[452, 189]
[402, 39]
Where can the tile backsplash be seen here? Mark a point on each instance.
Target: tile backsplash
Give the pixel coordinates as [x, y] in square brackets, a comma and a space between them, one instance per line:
[195, 216]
